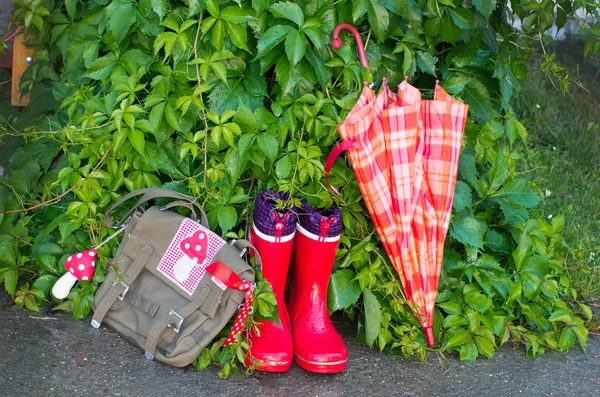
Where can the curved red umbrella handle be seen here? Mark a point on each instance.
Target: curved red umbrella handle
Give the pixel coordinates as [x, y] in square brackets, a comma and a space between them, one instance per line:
[337, 43]
[335, 153]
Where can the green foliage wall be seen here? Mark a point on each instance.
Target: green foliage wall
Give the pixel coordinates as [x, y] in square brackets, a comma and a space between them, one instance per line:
[224, 99]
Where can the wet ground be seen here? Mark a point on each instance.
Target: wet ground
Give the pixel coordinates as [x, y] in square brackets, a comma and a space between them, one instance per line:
[53, 355]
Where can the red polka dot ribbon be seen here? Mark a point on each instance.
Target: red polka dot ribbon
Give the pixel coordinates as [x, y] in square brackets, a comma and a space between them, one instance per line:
[224, 274]
[238, 326]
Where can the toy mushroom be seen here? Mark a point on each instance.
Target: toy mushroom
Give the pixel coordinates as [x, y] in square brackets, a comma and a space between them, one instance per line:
[79, 267]
[195, 249]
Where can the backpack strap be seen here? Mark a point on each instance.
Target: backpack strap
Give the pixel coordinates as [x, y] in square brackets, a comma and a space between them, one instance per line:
[225, 275]
[152, 194]
[120, 287]
[243, 245]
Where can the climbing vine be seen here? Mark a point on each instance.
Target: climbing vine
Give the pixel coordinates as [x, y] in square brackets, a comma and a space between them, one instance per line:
[224, 99]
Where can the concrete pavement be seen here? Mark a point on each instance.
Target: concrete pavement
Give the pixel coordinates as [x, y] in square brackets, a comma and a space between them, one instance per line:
[54, 355]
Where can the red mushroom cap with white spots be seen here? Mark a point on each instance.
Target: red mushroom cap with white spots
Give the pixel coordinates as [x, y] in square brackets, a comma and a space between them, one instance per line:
[196, 246]
[82, 265]
[79, 266]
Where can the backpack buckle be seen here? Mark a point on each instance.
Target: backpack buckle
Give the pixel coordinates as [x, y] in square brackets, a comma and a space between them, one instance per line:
[179, 321]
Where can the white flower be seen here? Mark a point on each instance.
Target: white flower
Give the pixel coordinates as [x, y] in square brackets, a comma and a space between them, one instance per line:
[537, 105]
[548, 193]
[553, 147]
[550, 216]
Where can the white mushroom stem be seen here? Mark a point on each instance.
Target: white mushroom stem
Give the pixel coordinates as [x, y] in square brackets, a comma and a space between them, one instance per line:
[63, 286]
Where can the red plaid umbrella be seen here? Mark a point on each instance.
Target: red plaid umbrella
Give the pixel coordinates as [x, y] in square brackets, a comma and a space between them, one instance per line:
[443, 121]
[362, 138]
[404, 153]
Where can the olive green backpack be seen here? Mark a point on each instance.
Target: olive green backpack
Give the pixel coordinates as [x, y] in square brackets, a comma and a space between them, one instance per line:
[157, 293]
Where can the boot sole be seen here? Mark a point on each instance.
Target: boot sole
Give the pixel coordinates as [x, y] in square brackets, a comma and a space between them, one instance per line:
[272, 366]
[320, 367]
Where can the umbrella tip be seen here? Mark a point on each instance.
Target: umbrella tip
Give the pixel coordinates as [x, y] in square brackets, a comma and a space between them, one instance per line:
[405, 78]
[383, 81]
[429, 336]
[437, 83]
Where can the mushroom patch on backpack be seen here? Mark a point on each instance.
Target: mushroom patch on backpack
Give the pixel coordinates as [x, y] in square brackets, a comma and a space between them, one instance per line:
[188, 255]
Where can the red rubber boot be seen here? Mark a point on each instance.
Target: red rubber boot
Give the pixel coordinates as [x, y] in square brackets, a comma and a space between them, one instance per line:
[273, 236]
[317, 345]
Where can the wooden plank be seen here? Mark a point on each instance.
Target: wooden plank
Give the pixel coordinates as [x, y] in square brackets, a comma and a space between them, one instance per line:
[20, 54]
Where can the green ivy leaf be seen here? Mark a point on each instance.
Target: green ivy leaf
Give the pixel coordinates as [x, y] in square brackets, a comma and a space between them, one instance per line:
[474, 320]
[484, 346]
[582, 334]
[160, 7]
[102, 67]
[399, 8]
[468, 352]
[343, 291]
[462, 17]
[468, 230]
[268, 145]
[82, 303]
[121, 15]
[497, 242]
[359, 8]
[562, 315]
[237, 35]
[530, 284]
[288, 77]
[478, 301]
[212, 6]
[227, 217]
[567, 339]
[462, 197]
[172, 116]
[450, 308]
[379, 19]
[71, 6]
[50, 248]
[485, 7]
[514, 214]
[515, 129]
[136, 138]
[135, 59]
[426, 62]
[288, 10]
[372, 316]
[295, 46]
[454, 321]
[284, 167]
[479, 99]
[260, 5]
[454, 85]
[521, 192]
[203, 360]
[7, 254]
[218, 32]
[498, 174]
[11, 276]
[271, 38]
[44, 283]
[448, 29]
[460, 338]
[235, 15]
